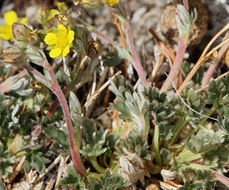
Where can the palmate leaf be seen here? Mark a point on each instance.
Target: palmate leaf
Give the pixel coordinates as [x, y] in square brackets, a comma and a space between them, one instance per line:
[205, 140]
[59, 138]
[36, 159]
[194, 186]
[214, 91]
[6, 162]
[93, 141]
[73, 179]
[109, 182]
[134, 144]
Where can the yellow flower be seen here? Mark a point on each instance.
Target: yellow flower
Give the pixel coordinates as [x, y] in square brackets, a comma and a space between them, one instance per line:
[6, 29]
[111, 2]
[60, 41]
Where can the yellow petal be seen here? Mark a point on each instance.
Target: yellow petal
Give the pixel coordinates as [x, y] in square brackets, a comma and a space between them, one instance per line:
[65, 51]
[62, 29]
[5, 36]
[55, 52]
[50, 38]
[70, 36]
[10, 17]
[23, 20]
[6, 32]
[112, 2]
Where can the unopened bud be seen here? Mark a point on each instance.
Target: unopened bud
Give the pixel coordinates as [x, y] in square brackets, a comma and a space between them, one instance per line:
[20, 32]
[12, 54]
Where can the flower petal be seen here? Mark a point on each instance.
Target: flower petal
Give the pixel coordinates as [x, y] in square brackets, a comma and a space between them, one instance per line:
[65, 51]
[55, 52]
[50, 38]
[70, 36]
[62, 29]
[10, 17]
[23, 20]
[6, 32]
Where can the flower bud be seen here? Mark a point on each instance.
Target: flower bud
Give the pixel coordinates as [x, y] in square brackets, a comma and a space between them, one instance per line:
[20, 32]
[12, 54]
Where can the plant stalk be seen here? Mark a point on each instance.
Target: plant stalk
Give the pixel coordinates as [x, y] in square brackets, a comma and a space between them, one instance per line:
[176, 66]
[156, 144]
[201, 123]
[96, 165]
[136, 63]
[179, 125]
[73, 145]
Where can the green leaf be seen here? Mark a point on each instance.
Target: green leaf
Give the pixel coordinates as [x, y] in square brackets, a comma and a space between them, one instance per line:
[194, 186]
[205, 140]
[112, 59]
[37, 161]
[93, 141]
[73, 179]
[59, 137]
[75, 109]
[109, 182]
[2, 186]
[89, 71]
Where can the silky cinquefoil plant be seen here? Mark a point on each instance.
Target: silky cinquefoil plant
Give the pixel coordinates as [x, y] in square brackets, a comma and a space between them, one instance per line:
[49, 97]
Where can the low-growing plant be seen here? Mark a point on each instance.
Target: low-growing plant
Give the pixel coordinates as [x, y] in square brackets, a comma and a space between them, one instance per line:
[183, 137]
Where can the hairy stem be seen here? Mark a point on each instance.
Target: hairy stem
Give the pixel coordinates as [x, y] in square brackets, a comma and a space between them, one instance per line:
[136, 63]
[176, 66]
[156, 144]
[96, 165]
[185, 3]
[179, 125]
[213, 67]
[221, 178]
[73, 145]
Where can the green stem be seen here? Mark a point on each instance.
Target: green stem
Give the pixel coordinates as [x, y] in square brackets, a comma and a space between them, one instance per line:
[156, 144]
[105, 160]
[209, 113]
[96, 165]
[179, 125]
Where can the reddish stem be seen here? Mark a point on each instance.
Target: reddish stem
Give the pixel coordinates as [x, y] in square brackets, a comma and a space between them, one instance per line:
[221, 178]
[185, 3]
[213, 67]
[136, 63]
[73, 145]
[176, 66]
[53, 107]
